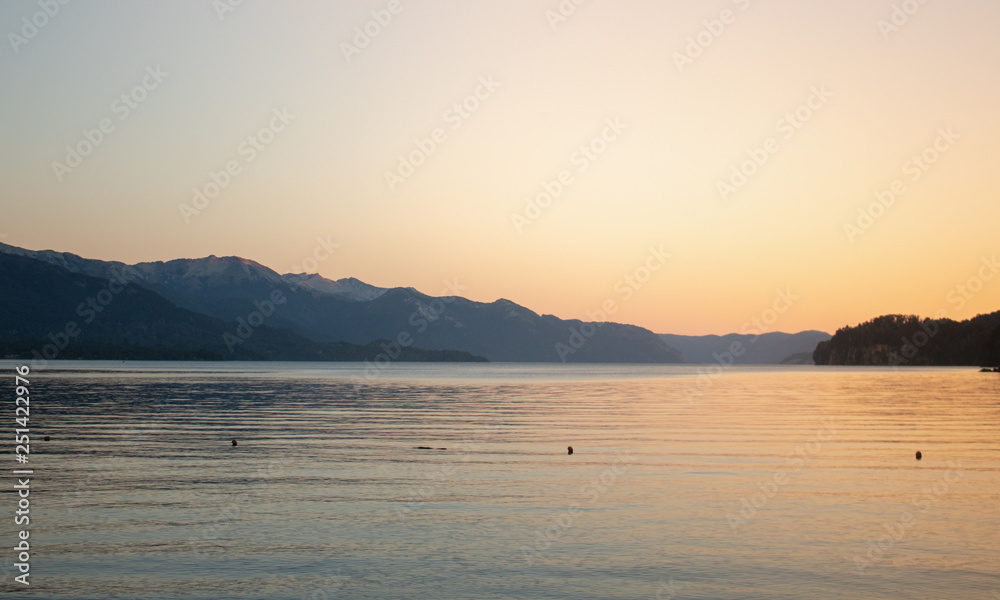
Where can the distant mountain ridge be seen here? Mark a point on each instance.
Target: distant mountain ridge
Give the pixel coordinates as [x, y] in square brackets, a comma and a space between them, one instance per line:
[348, 288]
[351, 311]
[763, 349]
[49, 312]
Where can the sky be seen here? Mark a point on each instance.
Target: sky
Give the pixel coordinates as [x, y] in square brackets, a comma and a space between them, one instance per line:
[694, 166]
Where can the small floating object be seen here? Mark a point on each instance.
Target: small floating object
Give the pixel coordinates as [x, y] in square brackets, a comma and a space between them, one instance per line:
[46, 438]
[569, 450]
[234, 442]
[919, 455]
[422, 448]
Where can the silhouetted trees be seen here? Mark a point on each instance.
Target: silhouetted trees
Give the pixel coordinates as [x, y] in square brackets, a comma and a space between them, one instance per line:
[899, 340]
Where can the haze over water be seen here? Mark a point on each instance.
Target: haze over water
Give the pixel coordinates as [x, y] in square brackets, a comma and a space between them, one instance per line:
[771, 483]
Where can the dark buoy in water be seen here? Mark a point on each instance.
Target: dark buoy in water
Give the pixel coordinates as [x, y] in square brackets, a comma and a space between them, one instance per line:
[919, 455]
[569, 449]
[46, 438]
[234, 442]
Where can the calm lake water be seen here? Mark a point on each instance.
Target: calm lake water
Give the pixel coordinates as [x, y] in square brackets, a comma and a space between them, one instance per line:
[752, 483]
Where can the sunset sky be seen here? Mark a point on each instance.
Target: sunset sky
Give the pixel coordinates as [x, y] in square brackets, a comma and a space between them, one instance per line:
[493, 101]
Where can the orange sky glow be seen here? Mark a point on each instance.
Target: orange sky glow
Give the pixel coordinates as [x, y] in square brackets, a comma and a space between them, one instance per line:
[695, 165]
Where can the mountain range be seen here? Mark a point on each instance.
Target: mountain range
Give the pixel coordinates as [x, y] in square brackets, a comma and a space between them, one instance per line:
[50, 312]
[235, 308]
[760, 349]
[236, 290]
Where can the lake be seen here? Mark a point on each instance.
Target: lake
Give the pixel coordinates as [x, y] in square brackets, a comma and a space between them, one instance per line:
[454, 481]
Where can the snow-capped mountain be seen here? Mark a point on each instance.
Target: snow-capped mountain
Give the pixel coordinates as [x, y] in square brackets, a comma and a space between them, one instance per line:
[207, 275]
[232, 288]
[193, 274]
[348, 288]
[76, 264]
[45, 317]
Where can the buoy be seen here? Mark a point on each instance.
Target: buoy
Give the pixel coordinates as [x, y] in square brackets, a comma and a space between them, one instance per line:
[46, 438]
[919, 455]
[234, 442]
[569, 449]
